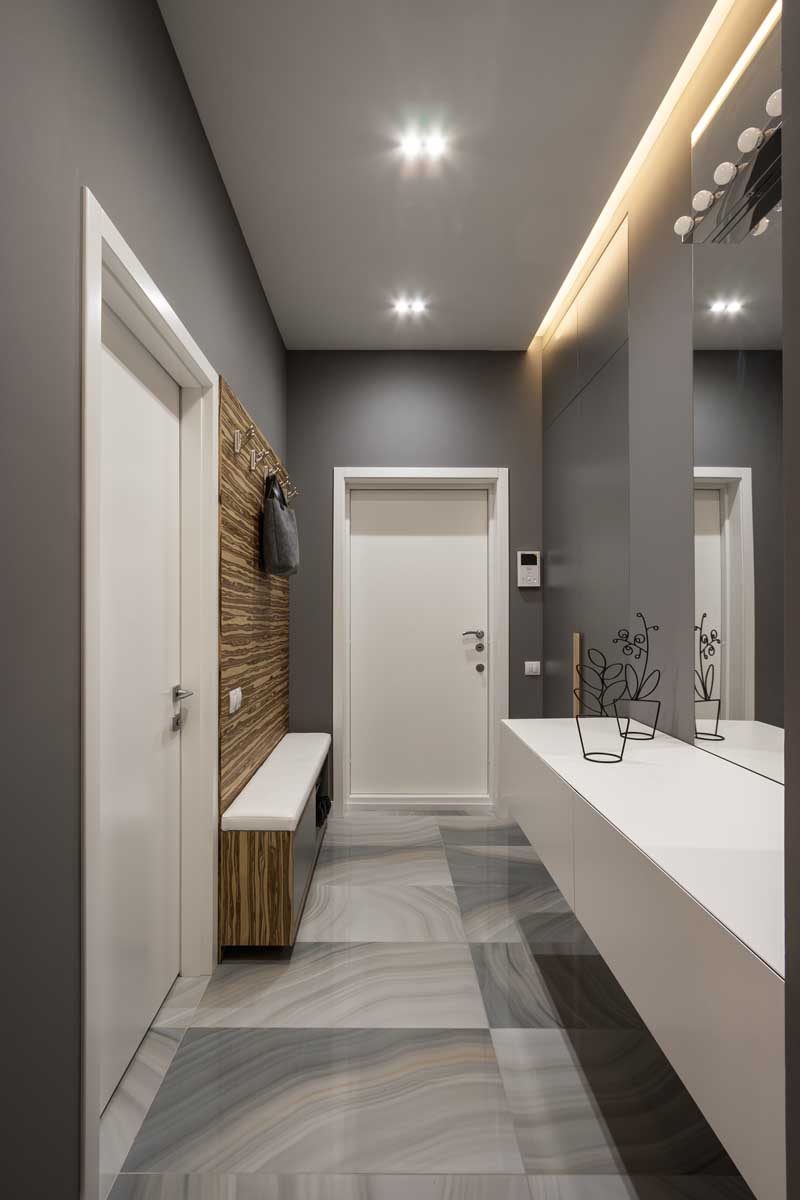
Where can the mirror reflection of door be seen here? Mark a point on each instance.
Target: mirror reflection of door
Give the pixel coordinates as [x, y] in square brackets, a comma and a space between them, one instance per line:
[738, 409]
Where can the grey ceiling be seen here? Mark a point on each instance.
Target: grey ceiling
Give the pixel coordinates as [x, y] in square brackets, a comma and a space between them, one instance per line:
[302, 101]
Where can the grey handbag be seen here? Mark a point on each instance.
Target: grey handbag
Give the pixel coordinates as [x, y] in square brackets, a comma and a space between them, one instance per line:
[280, 549]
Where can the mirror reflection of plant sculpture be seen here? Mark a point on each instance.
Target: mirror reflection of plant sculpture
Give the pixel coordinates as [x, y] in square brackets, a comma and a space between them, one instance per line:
[705, 704]
[706, 648]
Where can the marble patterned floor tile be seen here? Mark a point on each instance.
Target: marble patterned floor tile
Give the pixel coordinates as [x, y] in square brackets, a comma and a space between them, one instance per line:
[338, 985]
[639, 1187]
[603, 1102]
[181, 1003]
[526, 991]
[498, 866]
[127, 1108]
[555, 933]
[584, 992]
[384, 830]
[319, 1100]
[481, 831]
[656, 1125]
[375, 913]
[513, 990]
[321, 1187]
[558, 1127]
[355, 864]
[493, 914]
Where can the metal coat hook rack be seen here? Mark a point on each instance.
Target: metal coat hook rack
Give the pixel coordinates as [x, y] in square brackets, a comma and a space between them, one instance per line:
[273, 464]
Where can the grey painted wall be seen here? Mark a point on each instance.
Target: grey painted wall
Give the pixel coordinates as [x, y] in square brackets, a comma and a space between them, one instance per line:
[373, 409]
[738, 411]
[91, 93]
[586, 473]
[586, 527]
[791, 450]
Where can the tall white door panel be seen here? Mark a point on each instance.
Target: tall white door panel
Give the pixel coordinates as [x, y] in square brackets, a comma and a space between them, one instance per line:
[418, 600]
[140, 663]
[708, 575]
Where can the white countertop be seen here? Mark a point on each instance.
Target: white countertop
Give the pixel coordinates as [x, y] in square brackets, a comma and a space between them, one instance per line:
[715, 829]
[752, 744]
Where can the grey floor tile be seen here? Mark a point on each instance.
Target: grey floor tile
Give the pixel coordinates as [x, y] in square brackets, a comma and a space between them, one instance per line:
[387, 985]
[481, 831]
[498, 866]
[654, 1122]
[180, 1005]
[555, 933]
[638, 1187]
[493, 914]
[584, 992]
[373, 913]
[383, 830]
[603, 1102]
[127, 1108]
[322, 1187]
[341, 1101]
[356, 864]
[558, 1127]
[512, 988]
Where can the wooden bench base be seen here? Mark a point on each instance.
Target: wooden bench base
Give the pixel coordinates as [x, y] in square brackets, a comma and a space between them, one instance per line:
[264, 877]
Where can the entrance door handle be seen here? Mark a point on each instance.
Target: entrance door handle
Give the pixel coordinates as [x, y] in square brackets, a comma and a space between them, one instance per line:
[179, 693]
[476, 633]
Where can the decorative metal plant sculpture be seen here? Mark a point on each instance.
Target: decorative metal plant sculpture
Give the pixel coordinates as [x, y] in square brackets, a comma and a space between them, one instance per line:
[704, 675]
[640, 681]
[602, 685]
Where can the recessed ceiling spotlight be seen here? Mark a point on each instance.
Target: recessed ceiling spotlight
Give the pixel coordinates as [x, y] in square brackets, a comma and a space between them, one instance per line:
[431, 146]
[734, 306]
[718, 306]
[411, 145]
[435, 144]
[416, 307]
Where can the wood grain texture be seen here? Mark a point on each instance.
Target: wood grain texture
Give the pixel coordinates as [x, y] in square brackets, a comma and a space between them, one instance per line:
[254, 614]
[255, 888]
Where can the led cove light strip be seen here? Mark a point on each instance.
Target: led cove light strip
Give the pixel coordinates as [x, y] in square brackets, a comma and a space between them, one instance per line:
[751, 50]
[702, 44]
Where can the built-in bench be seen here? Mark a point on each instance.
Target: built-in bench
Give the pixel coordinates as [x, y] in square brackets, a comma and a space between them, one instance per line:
[269, 844]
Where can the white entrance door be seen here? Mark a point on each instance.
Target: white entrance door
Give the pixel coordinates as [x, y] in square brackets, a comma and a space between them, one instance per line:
[419, 706]
[139, 665]
[708, 575]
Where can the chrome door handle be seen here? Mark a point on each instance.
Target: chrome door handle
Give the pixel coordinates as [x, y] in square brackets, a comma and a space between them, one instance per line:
[179, 693]
[476, 633]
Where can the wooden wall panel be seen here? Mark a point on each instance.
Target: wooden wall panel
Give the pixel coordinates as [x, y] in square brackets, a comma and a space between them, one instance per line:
[254, 615]
[255, 888]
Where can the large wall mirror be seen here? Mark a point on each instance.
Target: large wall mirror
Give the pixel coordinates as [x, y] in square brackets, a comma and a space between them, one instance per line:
[738, 405]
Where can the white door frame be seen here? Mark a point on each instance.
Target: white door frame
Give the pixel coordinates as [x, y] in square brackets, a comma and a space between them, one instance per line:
[735, 485]
[113, 275]
[493, 480]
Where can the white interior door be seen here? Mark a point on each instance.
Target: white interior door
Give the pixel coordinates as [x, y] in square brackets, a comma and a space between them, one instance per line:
[419, 705]
[709, 568]
[139, 665]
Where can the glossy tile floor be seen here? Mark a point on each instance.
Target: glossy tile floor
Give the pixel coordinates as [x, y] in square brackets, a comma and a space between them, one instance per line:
[443, 1030]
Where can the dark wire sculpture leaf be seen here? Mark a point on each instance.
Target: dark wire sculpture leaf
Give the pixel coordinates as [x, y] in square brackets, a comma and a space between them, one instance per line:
[591, 678]
[589, 702]
[649, 684]
[708, 681]
[613, 671]
[597, 657]
[632, 681]
[614, 691]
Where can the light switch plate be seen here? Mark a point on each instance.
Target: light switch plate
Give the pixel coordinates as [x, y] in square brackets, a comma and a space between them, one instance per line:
[533, 668]
[234, 700]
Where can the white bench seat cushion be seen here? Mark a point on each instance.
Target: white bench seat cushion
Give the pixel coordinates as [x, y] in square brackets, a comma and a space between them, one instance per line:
[278, 792]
